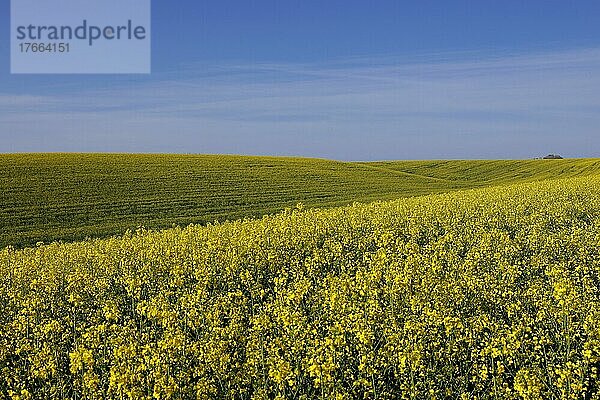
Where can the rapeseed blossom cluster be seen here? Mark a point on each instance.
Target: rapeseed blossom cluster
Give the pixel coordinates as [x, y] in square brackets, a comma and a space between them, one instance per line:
[491, 293]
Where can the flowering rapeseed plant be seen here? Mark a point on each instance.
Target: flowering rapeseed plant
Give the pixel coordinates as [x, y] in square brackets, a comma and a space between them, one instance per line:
[490, 293]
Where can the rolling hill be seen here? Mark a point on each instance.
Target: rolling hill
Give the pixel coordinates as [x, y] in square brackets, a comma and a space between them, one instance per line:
[48, 197]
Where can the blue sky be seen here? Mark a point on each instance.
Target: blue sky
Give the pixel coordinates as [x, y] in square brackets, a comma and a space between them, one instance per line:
[350, 80]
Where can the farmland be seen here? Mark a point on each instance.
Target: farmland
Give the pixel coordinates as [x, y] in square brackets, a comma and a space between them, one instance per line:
[484, 293]
[48, 197]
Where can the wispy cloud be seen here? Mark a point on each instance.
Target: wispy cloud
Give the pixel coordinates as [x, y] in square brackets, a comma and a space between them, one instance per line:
[443, 106]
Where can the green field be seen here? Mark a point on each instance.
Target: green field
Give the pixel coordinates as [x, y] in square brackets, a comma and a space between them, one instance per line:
[47, 197]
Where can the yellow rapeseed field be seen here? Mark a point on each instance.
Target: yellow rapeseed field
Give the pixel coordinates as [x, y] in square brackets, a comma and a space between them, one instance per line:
[488, 293]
